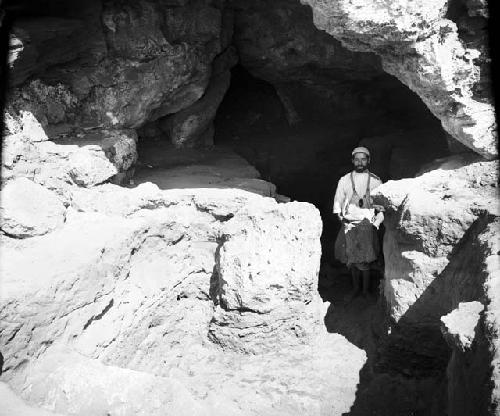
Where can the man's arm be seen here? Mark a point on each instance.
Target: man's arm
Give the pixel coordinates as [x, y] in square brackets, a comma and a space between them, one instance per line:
[339, 199]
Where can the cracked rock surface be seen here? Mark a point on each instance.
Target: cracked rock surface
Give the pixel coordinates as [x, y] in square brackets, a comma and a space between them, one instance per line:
[420, 45]
[200, 300]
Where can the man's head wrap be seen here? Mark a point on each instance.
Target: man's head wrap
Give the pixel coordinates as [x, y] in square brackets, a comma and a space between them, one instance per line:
[361, 150]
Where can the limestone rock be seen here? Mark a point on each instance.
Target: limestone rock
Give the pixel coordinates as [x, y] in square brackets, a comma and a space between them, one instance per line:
[427, 217]
[471, 331]
[423, 50]
[28, 209]
[162, 294]
[82, 157]
[187, 127]
[145, 61]
[441, 251]
[459, 326]
[78, 385]
[14, 405]
[49, 104]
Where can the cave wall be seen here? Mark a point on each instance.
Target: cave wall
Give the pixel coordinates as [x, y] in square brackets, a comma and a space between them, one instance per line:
[119, 64]
[425, 50]
[440, 249]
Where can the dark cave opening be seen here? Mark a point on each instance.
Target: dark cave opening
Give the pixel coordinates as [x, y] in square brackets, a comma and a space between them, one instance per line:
[306, 159]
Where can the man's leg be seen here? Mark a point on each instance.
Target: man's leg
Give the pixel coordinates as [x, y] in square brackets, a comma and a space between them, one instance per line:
[356, 280]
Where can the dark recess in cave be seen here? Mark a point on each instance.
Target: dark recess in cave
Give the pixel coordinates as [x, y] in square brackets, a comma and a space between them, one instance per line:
[306, 160]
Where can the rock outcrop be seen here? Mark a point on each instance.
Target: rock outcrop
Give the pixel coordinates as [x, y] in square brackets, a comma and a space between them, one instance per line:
[28, 209]
[424, 49]
[200, 300]
[138, 62]
[79, 157]
[439, 248]
[193, 125]
[431, 221]
[471, 331]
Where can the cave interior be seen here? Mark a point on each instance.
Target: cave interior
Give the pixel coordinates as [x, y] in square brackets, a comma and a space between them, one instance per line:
[299, 102]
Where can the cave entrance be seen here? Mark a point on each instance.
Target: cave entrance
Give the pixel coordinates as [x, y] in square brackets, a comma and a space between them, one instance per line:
[304, 150]
[305, 153]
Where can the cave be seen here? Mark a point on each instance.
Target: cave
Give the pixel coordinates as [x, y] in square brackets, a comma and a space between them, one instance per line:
[168, 174]
[306, 159]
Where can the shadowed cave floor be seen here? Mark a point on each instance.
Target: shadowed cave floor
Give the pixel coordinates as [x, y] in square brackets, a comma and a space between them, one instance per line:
[363, 321]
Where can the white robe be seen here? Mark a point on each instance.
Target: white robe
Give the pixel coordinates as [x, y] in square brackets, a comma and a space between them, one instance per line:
[344, 194]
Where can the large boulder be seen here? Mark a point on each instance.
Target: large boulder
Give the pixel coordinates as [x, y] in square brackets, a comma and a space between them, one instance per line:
[431, 221]
[471, 331]
[14, 405]
[441, 255]
[28, 209]
[198, 301]
[83, 157]
[423, 48]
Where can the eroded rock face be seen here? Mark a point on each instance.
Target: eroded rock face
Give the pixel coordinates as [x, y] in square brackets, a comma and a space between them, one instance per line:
[423, 49]
[440, 250]
[278, 42]
[29, 209]
[79, 157]
[137, 62]
[168, 295]
[471, 333]
[432, 219]
[193, 125]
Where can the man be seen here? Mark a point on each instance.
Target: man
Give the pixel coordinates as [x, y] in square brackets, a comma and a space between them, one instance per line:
[357, 243]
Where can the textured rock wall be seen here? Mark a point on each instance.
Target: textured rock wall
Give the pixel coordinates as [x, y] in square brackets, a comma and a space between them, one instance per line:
[201, 301]
[116, 64]
[426, 51]
[439, 248]
[278, 42]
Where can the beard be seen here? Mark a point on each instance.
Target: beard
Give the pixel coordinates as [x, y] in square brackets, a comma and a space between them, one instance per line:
[360, 169]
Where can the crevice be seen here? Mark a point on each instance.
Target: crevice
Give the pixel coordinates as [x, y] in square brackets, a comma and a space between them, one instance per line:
[100, 315]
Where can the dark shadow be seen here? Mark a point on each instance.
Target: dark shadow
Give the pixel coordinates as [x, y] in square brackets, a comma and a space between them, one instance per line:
[413, 357]
[1, 363]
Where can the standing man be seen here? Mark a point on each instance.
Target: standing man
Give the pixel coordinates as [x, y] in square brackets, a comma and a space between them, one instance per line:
[357, 243]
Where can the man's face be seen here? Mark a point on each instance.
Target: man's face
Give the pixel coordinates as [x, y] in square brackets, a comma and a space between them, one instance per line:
[360, 162]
